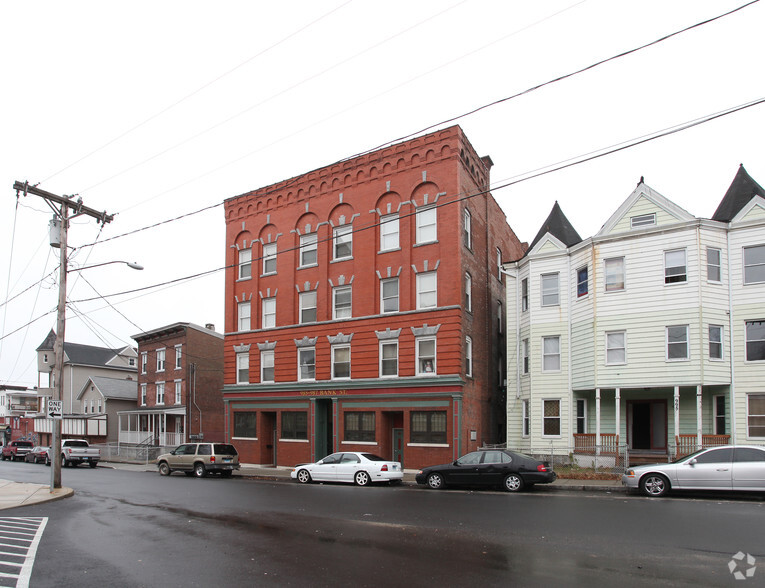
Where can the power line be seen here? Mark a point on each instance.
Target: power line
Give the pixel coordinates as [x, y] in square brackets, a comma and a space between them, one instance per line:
[459, 197]
[435, 125]
[198, 90]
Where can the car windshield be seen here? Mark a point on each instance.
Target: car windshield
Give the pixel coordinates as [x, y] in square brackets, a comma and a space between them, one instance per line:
[224, 448]
[692, 455]
[373, 457]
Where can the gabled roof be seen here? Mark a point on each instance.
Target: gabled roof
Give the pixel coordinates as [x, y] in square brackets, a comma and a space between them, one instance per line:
[79, 354]
[559, 227]
[112, 388]
[739, 194]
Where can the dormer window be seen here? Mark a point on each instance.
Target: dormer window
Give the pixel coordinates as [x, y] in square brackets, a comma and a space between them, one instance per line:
[643, 220]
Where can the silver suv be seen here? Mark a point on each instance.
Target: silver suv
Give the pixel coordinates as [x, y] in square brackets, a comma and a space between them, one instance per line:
[199, 459]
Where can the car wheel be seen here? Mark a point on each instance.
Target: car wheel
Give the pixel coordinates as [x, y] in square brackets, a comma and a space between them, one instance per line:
[654, 485]
[362, 479]
[164, 469]
[435, 481]
[64, 463]
[513, 483]
[47, 461]
[303, 476]
[199, 470]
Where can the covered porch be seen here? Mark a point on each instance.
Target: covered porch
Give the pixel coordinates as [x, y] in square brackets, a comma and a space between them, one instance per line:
[153, 427]
[654, 424]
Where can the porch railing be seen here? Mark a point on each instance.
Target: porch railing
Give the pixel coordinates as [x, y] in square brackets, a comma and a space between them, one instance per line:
[687, 444]
[585, 443]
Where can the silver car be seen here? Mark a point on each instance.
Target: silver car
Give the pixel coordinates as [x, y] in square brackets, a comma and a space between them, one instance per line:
[730, 467]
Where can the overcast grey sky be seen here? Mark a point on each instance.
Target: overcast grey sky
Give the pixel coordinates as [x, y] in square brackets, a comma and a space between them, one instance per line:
[150, 110]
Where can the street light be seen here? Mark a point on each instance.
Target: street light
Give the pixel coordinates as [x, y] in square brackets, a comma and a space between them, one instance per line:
[55, 474]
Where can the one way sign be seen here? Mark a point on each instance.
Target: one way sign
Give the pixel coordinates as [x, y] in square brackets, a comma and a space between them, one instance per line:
[55, 409]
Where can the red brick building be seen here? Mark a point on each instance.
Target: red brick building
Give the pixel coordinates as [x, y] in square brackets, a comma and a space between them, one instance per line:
[363, 308]
[180, 377]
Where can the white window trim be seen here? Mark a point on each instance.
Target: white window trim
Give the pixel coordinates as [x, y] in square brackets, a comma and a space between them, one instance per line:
[338, 232]
[239, 315]
[332, 361]
[643, 220]
[744, 265]
[684, 266]
[301, 297]
[722, 343]
[178, 391]
[263, 355]
[143, 394]
[161, 352]
[420, 291]
[746, 341]
[178, 356]
[717, 265]
[144, 361]
[335, 291]
[467, 229]
[419, 214]
[525, 354]
[265, 324]
[380, 354]
[242, 263]
[299, 376]
[239, 357]
[525, 418]
[624, 274]
[559, 417]
[158, 386]
[468, 292]
[542, 289]
[525, 298]
[715, 414]
[468, 357]
[606, 334]
[382, 298]
[559, 354]
[269, 254]
[576, 286]
[308, 242]
[388, 223]
[687, 343]
[417, 342]
[576, 413]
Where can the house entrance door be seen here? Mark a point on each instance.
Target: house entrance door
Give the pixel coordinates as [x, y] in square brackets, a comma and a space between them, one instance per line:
[323, 428]
[647, 424]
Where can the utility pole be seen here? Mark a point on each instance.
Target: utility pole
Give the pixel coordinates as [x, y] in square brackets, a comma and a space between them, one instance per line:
[64, 208]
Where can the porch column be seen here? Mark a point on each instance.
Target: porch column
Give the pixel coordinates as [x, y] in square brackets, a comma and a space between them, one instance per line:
[597, 421]
[698, 416]
[617, 417]
[676, 408]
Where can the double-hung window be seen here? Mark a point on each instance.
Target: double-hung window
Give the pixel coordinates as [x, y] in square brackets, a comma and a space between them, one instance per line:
[143, 394]
[389, 295]
[178, 356]
[754, 264]
[308, 249]
[426, 356]
[245, 264]
[550, 296]
[341, 302]
[467, 228]
[242, 368]
[177, 392]
[499, 264]
[615, 277]
[525, 356]
[714, 265]
[307, 303]
[389, 232]
[755, 340]
[755, 415]
[306, 363]
[426, 290]
[243, 316]
[526, 419]
[269, 258]
[160, 392]
[551, 354]
[388, 359]
[160, 360]
[675, 270]
[524, 294]
[551, 418]
[294, 425]
[341, 362]
[677, 343]
[469, 357]
[342, 241]
[144, 361]
[468, 293]
[426, 224]
[582, 282]
[268, 308]
[616, 348]
[267, 365]
[715, 342]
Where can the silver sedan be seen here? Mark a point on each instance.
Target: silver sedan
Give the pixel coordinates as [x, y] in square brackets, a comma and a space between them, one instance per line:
[730, 467]
[349, 466]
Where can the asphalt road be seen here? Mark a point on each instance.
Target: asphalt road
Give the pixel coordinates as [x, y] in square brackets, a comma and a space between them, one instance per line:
[139, 529]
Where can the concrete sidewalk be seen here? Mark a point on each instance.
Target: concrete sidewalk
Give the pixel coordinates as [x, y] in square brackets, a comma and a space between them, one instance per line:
[13, 494]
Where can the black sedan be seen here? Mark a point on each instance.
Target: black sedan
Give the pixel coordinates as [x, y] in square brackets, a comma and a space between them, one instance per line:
[490, 467]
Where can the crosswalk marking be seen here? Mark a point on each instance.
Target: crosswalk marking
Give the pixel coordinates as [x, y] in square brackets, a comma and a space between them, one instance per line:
[19, 539]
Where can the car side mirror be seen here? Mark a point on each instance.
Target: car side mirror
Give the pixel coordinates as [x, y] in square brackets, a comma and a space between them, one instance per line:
[172, 452]
[692, 462]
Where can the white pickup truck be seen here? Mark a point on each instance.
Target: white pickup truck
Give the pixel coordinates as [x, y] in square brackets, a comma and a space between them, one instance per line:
[77, 451]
